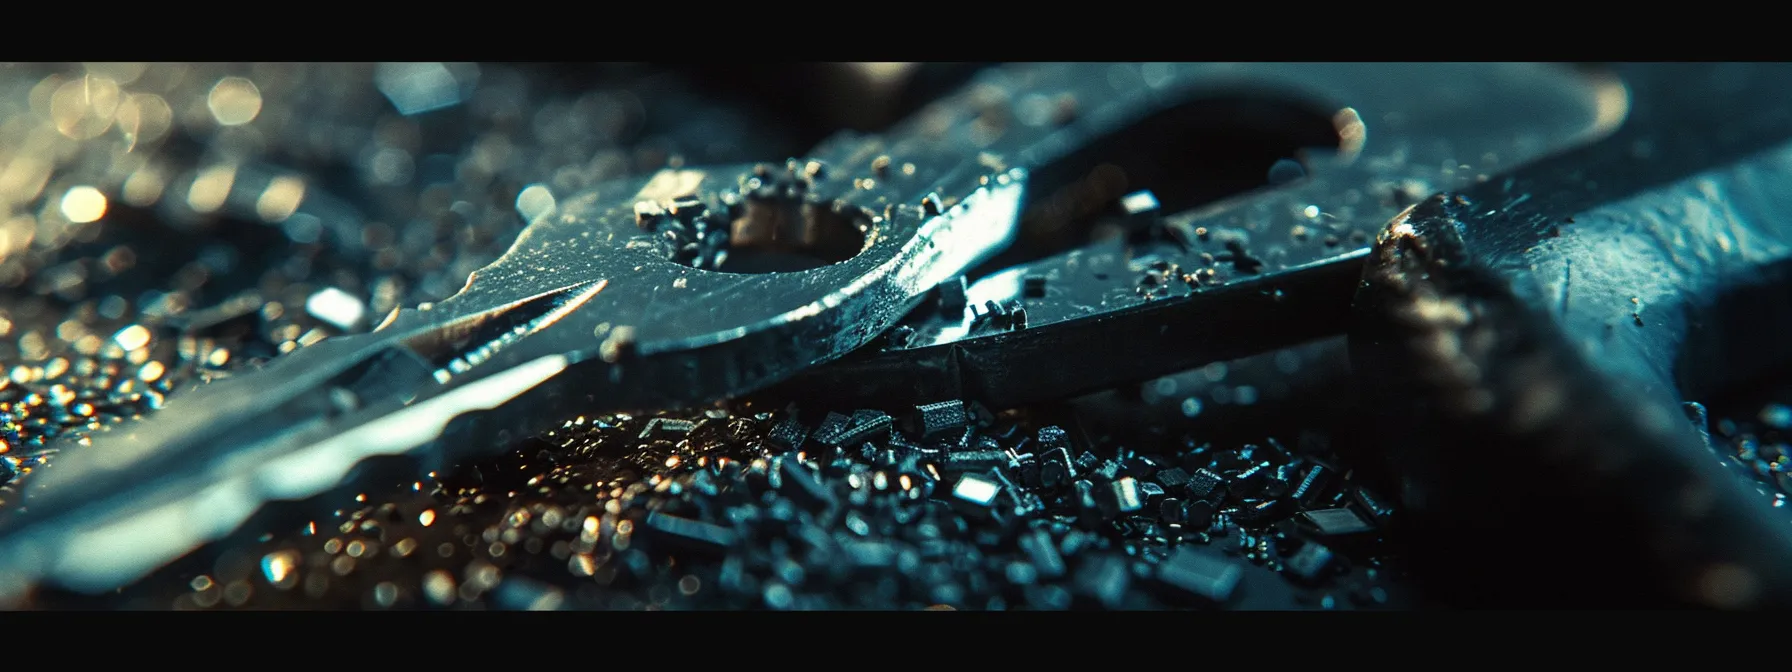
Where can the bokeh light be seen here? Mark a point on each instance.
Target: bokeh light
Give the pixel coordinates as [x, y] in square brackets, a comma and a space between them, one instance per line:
[83, 204]
[85, 107]
[234, 101]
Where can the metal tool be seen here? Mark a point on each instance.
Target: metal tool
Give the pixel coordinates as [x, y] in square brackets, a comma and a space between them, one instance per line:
[622, 298]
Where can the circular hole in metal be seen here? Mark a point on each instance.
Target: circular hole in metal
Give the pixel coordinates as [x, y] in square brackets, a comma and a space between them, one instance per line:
[769, 226]
[773, 235]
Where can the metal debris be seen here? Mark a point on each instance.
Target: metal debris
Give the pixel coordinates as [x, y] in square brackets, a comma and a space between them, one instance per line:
[1335, 522]
[1200, 574]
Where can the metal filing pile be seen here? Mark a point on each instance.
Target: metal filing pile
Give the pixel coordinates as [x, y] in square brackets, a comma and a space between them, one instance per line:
[971, 511]
[949, 507]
